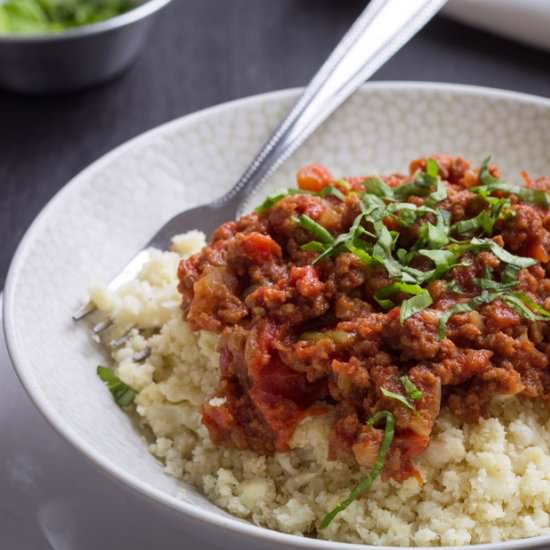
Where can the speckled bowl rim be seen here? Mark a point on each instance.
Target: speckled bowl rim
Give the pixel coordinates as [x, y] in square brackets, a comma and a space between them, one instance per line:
[141, 11]
[118, 474]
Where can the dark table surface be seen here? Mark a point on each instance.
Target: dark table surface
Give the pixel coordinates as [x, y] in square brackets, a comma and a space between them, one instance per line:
[204, 52]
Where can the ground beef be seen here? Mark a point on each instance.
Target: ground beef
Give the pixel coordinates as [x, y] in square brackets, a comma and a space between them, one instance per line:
[296, 332]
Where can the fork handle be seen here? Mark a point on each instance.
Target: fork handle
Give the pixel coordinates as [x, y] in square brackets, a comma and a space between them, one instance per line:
[378, 33]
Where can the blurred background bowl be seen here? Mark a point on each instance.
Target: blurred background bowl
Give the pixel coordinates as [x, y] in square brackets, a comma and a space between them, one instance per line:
[76, 58]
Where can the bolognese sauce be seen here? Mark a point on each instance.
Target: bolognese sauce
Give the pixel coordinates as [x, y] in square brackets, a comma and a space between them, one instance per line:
[394, 294]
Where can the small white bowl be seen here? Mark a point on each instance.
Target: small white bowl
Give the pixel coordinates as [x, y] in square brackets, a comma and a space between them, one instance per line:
[108, 211]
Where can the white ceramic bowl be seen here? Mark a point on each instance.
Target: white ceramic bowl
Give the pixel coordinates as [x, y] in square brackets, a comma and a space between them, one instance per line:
[108, 211]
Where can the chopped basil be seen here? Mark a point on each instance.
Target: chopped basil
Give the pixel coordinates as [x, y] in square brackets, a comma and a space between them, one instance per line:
[420, 187]
[486, 283]
[414, 305]
[422, 184]
[381, 295]
[378, 187]
[382, 249]
[440, 257]
[387, 439]
[447, 314]
[526, 306]
[359, 251]
[490, 183]
[526, 194]
[337, 245]
[123, 394]
[317, 230]
[444, 261]
[413, 393]
[407, 212]
[274, 198]
[484, 298]
[372, 206]
[434, 236]
[333, 192]
[483, 222]
[492, 290]
[437, 235]
[270, 201]
[370, 240]
[432, 168]
[502, 254]
[397, 397]
[349, 241]
[485, 176]
[454, 286]
[314, 246]
[510, 273]
[440, 194]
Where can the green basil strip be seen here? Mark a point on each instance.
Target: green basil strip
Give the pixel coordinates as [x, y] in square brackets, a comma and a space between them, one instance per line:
[526, 194]
[422, 184]
[446, 315]
[521, 303]
[378, 187]
[526, 306]
[510, 274]
[414, 305]
[394, 288]
[372, 206]
[333, 192]
[407, 213]
[314, 246]
[387, 439]
[347, 241]
[384, 303]
[437, 236]
[484, 298]
[334, 248]
[487, 283]
[502, 254]
[274, 198]
[432, 168]
[485, 176]
[484, 221]
[441, 258]
[123, 394]
[440, 194]
[317, 230]
[434, 236]
[413, 393]
[537, 308]
[397, 397]
[271, 200]
[382, 294]
[360, 252]
[419, 187]
[454, 287]
[489, 184]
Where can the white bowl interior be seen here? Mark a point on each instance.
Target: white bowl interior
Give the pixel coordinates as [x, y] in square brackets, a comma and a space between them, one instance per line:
[112, 208]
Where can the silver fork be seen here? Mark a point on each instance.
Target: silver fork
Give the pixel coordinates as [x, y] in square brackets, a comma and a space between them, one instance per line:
[378, 33]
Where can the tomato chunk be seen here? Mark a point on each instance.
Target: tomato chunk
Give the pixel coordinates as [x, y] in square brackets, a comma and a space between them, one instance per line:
[261, 248]
[313, 177]
[537, 251]
[306, 280]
